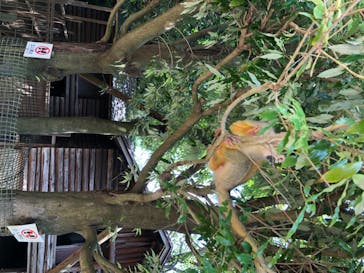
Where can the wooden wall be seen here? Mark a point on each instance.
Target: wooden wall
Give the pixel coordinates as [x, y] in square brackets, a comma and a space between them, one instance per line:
[50, 169]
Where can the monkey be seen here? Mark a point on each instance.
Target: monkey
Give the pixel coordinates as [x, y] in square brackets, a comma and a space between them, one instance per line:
[235, 160]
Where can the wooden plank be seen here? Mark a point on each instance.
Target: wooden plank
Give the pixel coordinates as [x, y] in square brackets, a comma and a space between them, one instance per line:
[98, 169]
[59, 169]
[26, 170]
[66, 165]
[63, 107]
[67, 96]
[38, 178]
[40, 256]
[32, 264]
[92, 170]
[45, 169]
[72, 172]
[70, 94]
[110, 163]
[103, 170]
[85, 169]
[78, 179]
[97, 107]
[56, 104]
[84, 4]
[46, 252]
[52, 170]
[75, 95]
[32, 166]
[53, 248]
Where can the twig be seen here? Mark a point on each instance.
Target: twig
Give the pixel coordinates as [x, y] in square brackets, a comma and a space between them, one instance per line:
[181, 163]
[137, 15]
[240, 47]
[107, 34]
[341, 65]
[267, 85]
[107, 265]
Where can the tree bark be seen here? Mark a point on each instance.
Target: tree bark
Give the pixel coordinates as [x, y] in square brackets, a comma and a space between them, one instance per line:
[59, 213]
[84, 58]
[72, 125]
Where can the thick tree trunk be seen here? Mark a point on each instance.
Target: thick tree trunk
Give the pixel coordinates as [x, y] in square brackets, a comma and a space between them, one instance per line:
[59, 213]
[80, 125]
[76, 58]
[72, 125]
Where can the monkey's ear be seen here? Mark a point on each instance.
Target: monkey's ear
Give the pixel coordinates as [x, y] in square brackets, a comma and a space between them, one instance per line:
[245, 128]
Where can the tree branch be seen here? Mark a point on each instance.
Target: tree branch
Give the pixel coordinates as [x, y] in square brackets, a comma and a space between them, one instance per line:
[130, 42]
[106, 265]
[110, 21]
[137, 15]
[116, 93]
[86, 261]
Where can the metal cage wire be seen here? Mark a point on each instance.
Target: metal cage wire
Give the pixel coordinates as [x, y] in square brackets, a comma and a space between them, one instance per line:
[12, 78]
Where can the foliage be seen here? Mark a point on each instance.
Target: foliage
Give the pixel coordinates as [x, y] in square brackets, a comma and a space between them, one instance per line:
[313, 51]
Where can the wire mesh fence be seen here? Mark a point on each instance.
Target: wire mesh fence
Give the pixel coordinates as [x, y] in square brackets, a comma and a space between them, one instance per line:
[12, 78]
[30, 19]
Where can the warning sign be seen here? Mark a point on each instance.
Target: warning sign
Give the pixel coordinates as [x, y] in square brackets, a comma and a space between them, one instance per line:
[26, 233]
[38, 50]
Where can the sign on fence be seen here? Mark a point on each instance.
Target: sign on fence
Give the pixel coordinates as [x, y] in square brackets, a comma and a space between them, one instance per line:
[38, 50]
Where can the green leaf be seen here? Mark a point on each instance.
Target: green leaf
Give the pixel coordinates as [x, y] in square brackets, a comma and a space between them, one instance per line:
[348, 49]
[319, 11]
[357, 128]
[271, 56]
[262, 248]
[344, 245]
[268, 115]
[254, 79]
[247, 247]
[306, 190]
[359, 207]
[244, 258]
[289, 161]
[361, 243]
[330, 73]
[214, 71]
[224, 241]
[236, 3]
[320, 119]
[342, 172]
[295, 225]
[359, 180]
[301, 162]
[335, 218]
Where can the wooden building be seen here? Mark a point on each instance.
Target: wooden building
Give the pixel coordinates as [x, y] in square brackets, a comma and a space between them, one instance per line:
[75, 162]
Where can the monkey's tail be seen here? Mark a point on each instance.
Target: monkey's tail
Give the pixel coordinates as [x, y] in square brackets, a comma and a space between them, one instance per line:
[242, 232]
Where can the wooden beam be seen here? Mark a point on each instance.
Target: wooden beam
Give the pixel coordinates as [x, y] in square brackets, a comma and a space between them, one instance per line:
[74, 257]
[83, 5]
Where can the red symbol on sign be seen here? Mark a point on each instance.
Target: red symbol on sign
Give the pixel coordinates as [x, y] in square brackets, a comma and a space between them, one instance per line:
[29, 234]
[42, 50]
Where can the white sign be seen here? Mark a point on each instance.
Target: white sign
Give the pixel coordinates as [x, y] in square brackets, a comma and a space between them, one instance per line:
[38, 50]
[26, 233]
